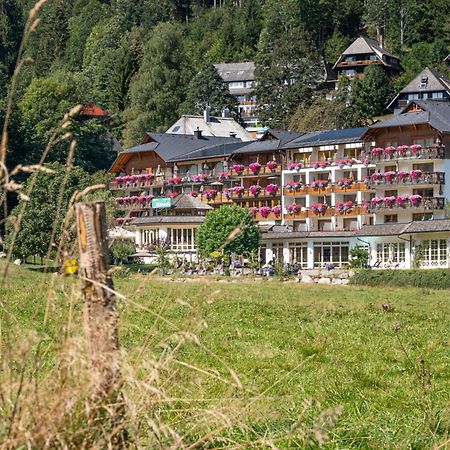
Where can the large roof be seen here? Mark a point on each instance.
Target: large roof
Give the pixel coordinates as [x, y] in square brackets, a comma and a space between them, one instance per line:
[187, 201]
[364, 45]
[217, 150]
[272, 140]
[328, 137]
[244, 71]
[436, 113]
[160, 220]
[170, 147]
[391, 229]
[435, 82]
[217, 126]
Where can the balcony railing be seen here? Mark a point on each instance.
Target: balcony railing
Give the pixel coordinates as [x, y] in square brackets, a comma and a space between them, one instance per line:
[412, 202]
[296, 190]
[406, 152]
[247, 171]
[328, 211]
[414, 177]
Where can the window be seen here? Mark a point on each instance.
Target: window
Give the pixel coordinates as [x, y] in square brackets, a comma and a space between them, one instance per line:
[298, 253]
[330, 253]
[181, 239]
[391, 193]
[277, 252]
[413, 96]
[418, 217]
[350, 224]
[427, 142]
[424, 192]
[325, 225]
[435, 253]
[262, 254]
[390, 168]
[236, 84]
[424, 167]
[349, 59]
[390, 218]
[149, 237]
[391, 253]
[326, 154]
[437, 95]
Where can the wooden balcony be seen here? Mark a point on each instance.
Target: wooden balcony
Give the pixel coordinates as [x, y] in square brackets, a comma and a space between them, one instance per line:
[426, 178]
[426, 203]
[329, 189]
[218, 199]
[330, 212]
[246, 194]
[271, 217]
[426, 153]
[264, 171]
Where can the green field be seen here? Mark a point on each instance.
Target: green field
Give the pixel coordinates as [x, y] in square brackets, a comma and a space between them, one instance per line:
[247, 363]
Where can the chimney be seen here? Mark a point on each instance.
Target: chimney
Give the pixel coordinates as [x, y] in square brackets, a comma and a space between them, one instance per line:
[381, 41]
[225, 112]
[207, 114]
[198, 133]
[233, 134]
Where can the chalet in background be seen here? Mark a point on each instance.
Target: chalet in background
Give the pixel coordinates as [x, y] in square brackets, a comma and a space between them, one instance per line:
[363, 52]
[429, 84]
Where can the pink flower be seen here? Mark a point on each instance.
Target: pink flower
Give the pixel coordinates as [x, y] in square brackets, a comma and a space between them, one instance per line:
[415, 148]
[265, 211]
[415, 174]
[255, 167]
[117, 180]
[389, 201]
[323, 164]
[120, 200]
[377, 152]
[292, 185]
[255, 189]
[272, 189]
[172, 194]
[376, 200]
[292, 209]
[239, 190]
[119, 220]
[277, 210]
[238, 168]
[272, 165]
[402, 149]
[389, 176]
[389, 150]
[401, 174]
[295, 166]
[401, 200]
[199, 178]
[149, 176]
[376, 176]
[210, 193]
[319, 208]
[415, 199]
[253, 211]
[174, 180]
[223, 176]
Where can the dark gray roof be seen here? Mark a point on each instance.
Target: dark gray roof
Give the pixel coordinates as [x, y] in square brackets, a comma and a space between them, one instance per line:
[271, 140]
[225, 150]
[395, 229]
[364, 45]
[349, 135]
[156, 220]
[244, 71]
[187, 201]
[170, 146]
[436, 82]
[435, 113]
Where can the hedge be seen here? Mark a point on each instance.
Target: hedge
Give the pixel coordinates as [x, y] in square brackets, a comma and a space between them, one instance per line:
[435, 278]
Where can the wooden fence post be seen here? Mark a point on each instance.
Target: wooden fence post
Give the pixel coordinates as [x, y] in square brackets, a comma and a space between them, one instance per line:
[100, 314]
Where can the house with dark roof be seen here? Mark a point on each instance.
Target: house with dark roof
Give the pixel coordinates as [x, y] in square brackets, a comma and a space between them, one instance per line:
[427, 85]
[363, 52]
[240, 79]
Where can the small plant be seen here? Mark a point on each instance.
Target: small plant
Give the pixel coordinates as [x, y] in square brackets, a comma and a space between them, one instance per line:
[359, 257]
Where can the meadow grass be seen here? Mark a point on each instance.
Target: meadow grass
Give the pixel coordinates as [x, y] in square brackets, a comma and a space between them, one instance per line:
[270, 360]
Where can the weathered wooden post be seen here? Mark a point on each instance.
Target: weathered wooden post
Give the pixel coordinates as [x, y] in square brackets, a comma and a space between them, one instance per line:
[100, 314]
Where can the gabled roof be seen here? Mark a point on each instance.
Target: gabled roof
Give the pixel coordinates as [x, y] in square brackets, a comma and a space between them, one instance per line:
[271, 140]
[170, 146]
[396, 229]
[217, 126]
[244, 71]
[436, 82]
[187, 201]
[364, 45]
[329, 137]
[436, 113]
[157, 220]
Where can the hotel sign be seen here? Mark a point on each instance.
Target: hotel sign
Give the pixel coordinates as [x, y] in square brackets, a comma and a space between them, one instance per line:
[161, 203]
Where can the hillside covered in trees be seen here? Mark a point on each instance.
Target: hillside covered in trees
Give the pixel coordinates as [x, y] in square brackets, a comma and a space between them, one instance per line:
[140, 61]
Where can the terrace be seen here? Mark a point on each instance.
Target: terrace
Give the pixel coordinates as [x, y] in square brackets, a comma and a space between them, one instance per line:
[323, 187]
[391, 153]
[407, 202]
[415, 177]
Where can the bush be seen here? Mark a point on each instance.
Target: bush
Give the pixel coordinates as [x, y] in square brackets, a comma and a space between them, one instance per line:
[435, 279]
[359, 257]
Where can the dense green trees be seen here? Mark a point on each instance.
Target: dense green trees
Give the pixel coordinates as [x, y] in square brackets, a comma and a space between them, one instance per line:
[219, 226]
[208, 89]
[138, 59]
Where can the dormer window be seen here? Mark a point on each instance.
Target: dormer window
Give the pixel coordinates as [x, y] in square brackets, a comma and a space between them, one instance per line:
[423, 81]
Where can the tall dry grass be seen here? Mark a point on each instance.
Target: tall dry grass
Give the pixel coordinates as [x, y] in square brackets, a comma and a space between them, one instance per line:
[46, 401]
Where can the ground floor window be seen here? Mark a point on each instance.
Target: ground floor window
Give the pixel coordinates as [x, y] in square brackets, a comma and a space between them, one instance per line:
[181, 239]
[434, 253]
[391, 253]
[277, 252]
[298, 253]
[416, 217]
[330, 253]
[149, 237]
[262, 254]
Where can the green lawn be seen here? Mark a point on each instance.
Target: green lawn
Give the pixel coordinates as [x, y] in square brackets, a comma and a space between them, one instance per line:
[302, 353]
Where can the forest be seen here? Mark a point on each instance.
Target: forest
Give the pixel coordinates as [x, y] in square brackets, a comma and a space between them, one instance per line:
[146, 62]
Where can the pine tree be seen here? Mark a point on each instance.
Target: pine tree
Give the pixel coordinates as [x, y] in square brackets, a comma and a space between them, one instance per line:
[208, 89]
